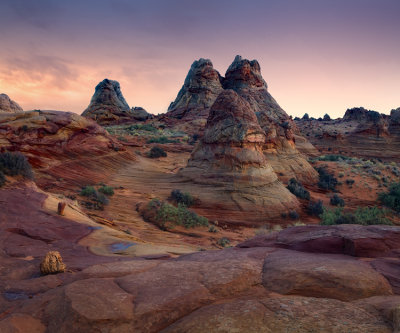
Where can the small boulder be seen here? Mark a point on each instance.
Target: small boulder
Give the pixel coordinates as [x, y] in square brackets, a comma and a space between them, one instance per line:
[52, 263]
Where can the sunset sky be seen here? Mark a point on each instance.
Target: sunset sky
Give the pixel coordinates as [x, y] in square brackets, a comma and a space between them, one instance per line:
[317, 56]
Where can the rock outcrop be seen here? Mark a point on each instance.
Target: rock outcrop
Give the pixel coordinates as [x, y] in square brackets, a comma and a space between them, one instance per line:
[108, 106]
[52, 263]
[61, 144]
[316, 284]
[230, 158]
[201, 88]
[8, 105]
[360, 133]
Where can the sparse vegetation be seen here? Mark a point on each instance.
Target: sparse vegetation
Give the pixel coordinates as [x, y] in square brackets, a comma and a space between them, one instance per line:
[213, 229]
[298, 189]
[98, 198]
[166, 216]
[162, 140]
[156, 152]
[294, 215]
[14, 164]
[223, 241]
[107, 190]
[327, 180]
[315, 208]
[2, 179]
[182, 198]
[350, 181]
[391, 198]
[88, 191]
[337, 201]
[362, 215]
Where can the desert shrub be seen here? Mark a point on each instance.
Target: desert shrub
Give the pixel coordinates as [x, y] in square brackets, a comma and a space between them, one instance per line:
[156, 152]
[100, 198]
[391, 198]
[333, 158]
[286, 125]
[327, 180]
[223, 241]
[213, 229]
[107, 190]
[298, 189]
[306, 116]
[362, 215]
[2, 179]
[350, 181]
[14, 164]
[315, 208]
[293, 215]
[337, 201]
[182, 197]
[88, 191]
[161, 139]
[180, 215]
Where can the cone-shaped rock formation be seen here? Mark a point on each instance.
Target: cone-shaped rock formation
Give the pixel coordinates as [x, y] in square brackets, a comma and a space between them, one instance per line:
[108, 106]
[230, 158]
[8, 105]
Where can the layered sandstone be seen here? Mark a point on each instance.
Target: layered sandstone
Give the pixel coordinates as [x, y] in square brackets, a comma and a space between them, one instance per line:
[62, 144]
[230, 159]
[8, 105]
[361, 133]
[108, 106]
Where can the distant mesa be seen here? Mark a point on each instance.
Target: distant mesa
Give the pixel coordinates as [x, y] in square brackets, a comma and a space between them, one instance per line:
[108, 106]
[8, 105]
[230, 159]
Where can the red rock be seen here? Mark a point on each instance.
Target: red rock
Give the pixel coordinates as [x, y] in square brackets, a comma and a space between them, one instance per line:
[327, 276]
[229, 158]
[280, 315]
[21, 323]
[390, 269]
[8, 105]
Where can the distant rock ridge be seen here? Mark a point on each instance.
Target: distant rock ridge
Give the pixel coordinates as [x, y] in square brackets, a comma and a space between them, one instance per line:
[108, 106]
[230, 157]
[8, 105]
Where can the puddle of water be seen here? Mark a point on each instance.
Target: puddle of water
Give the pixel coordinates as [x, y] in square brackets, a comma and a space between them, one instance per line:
[14, 296]
[117, 247]
[94, 228]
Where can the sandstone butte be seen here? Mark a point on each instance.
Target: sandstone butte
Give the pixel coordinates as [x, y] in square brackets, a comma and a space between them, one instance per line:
[360, 132]
[229, 161]
[109, 107]
[283, 141]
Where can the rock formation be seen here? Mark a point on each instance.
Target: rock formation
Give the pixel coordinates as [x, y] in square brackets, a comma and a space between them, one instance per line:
[62, 144]
[229, 157]
[245, 78]
[360, 133]
[199, 91]
[7, 105]
[201, 88]
[108, 106]
[52, 263]
[302, 279]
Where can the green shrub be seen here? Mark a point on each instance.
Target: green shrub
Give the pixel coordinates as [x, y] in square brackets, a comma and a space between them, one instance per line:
[362, 215]
[180, 215]
[212, 229]
[156, 152]
[327, 117]
[223, 241]
[306, 116]
[2, 179]
[350, 181]
[391, 198]
[298, 189]
[162, 139]
[337, 201]
[184, 198]
[100, 198]
[107, 190]
[315, 208]
[88, 191]
[327, 180]
[13, 164]
[333, 158]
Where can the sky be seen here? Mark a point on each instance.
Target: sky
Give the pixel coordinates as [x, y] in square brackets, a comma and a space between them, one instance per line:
[317, 56]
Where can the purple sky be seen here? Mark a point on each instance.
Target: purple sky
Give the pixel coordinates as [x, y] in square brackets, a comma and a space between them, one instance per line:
[317, 56]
